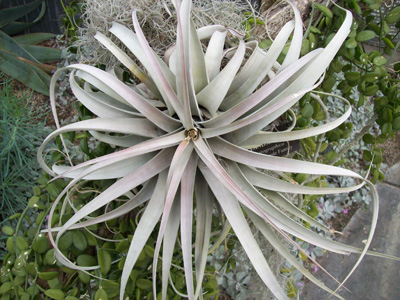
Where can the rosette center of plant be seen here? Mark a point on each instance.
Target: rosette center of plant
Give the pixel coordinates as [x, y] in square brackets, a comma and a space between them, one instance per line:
[193, 134]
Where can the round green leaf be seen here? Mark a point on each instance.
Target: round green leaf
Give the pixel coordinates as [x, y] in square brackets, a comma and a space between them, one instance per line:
[50, 257]
[307, 111]
[86, 260]
[48, 275]
[367, 155]
[41, 244]
[21, 243]
[371, 90]
[55, 294]
[65, 241]
[101, 295]
[379, 61]
[7, 230]
[368, 138]
[393, 16]
[396, 123]
[365, 35]
[79, 240]
[144, 284]
[351, 43]
[104, 259]
[325, 10]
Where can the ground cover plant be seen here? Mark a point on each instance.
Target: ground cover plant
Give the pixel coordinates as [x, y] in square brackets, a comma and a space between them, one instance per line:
[21, 133]
[179, 147]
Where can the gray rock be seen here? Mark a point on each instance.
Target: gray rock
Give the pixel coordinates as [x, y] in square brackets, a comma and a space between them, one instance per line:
[375, 278]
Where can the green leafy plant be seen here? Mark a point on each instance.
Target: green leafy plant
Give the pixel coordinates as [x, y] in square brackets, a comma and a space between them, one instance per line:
[72, 21]
[20, 56]
[186, 139]
[21, 132]
[30, 270]
[362, 75]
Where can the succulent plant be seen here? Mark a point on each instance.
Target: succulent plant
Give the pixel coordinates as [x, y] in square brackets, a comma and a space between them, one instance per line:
[20, 56]
[185, 137]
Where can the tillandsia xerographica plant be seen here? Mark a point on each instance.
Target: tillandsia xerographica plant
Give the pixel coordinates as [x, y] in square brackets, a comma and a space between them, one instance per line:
[184, 138]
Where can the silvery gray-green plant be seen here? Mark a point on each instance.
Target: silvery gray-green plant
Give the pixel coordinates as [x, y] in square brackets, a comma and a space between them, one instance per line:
[183, 136]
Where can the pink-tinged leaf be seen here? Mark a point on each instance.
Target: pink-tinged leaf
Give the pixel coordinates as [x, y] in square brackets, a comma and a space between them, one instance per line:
[170, 236]
[95, 105]
[142, 148]
[235, 216]
[184, 82]
[283, 250]
[204, 210]
[274, 163]
[213, 94]
[145, 227]
[256, 68]
[295, 45]
[274, 137]
[270, 112]
[304, 79]
[187, 190]
[123, 141]
[271, 183]
[152, 168]
[128, 62]
[111, 171]
[141, 197]
[164, 84]
[257, 97]
[214, 53]
[177, 167]
[207, 31]
[137, 101]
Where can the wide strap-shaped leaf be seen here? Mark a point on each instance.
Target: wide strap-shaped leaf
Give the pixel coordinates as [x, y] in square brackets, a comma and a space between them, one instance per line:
[148, 221]
[7, 15]
[304, 79]
[143, 174]
[283, 250]
[184, 81]
[176, 170]
[271, 183]
[100, 162]
[197, 60]
[7, 44]
[33, 38]
[213, 94]
[43, 54]
[214, 53]
[170, 235]
[275, 217]
[99, 103]
[116, 170]
[295, 45]
[225, 149]
[128, 62]
[255, 69]
[187, 190]
[123, 141]
[274, 137]
[235, 216]
[258, 96]
[269, 113]
[150, 112]
[165, 86]
[26, 73]
[204, 209]
[207, 31]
